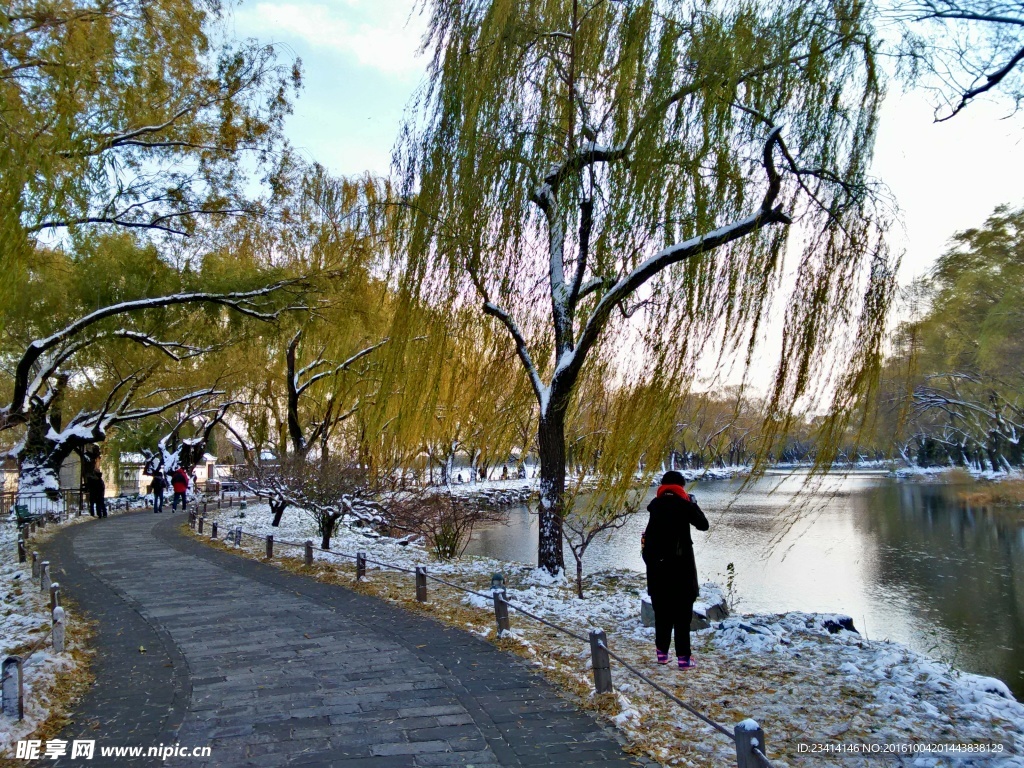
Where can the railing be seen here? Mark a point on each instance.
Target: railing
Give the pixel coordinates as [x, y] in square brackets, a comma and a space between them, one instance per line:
[747, 736]
[68, 501]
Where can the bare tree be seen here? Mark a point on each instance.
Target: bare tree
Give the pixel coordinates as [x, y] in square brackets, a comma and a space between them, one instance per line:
[444, 520]
[586, 521]
[971, 47]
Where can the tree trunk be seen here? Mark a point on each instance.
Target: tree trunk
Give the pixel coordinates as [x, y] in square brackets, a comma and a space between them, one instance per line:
[551, 447]
[37, 472]
[277, 508]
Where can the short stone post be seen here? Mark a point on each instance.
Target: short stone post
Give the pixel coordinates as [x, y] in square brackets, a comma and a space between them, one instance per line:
[421, 583]
[22, 555]
[360, 565]
[601, 662]
[44, 576]
[500, 611]
[201, 521]
[213, 530]
[57, 630]
[54, 595]
[218, 501]
[35, 565]
[13, 687]
[270, 546]
[748, 736]
[309, 553]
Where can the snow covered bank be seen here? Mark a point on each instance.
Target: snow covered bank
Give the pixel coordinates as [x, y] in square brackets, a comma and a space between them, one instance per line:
[802, 676]
[24, 625]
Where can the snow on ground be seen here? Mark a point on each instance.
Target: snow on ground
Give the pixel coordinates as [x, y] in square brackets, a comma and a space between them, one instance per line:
[803, 677]
[977, 474]
[24, 624]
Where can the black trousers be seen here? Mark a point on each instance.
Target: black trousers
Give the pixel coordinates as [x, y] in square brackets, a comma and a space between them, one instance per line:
[672, 612]
[97, 505]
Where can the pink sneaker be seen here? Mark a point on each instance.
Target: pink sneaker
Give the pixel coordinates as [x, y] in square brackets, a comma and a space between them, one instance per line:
[662, 657]
[686, 662]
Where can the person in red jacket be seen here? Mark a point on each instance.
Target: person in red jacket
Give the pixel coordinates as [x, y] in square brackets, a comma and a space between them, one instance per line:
[671, 567]
[179, 484]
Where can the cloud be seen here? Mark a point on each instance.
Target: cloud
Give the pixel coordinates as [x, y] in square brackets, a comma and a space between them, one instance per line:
[377, 34]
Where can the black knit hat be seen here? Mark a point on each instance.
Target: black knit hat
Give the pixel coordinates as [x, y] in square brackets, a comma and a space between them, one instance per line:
[673, 478]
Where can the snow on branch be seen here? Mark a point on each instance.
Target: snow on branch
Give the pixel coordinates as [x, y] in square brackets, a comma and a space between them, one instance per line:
[46, 355]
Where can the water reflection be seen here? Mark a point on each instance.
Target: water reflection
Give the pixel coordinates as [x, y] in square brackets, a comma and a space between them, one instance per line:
[907, 561]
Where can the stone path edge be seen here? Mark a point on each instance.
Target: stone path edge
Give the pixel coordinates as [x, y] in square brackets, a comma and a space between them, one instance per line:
[184, 541]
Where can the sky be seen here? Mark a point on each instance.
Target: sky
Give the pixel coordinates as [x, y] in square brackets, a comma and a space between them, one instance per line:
[361, 70]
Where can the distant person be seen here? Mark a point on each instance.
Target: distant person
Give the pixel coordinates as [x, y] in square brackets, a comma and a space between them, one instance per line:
[671, 568]
[157, 488]
[97, 493]
[179, 484]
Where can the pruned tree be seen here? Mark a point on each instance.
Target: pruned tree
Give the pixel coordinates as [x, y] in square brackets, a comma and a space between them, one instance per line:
[601, 173]
[584, 524]
[444, 520]
[965, 49]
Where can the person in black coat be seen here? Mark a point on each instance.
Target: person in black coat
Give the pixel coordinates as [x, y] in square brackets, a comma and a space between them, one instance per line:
[671, 567]
[97, 494]
[158, 486]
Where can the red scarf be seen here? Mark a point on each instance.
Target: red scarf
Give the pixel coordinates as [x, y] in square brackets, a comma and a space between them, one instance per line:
[678, 490]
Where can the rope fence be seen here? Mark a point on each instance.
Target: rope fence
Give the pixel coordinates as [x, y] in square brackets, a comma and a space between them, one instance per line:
[747, 736]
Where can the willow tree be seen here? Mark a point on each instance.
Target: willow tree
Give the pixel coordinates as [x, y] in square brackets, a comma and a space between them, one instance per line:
[129, 114]
[602, 174]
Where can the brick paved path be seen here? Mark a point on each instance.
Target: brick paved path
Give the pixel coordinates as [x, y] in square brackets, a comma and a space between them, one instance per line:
[272, 669]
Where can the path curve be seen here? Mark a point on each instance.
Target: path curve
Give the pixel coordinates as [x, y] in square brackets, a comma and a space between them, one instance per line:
[271, 669]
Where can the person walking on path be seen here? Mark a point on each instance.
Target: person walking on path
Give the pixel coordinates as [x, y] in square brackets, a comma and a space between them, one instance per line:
[671, 568]
[179, 484]
[157, 488]
[97, 493]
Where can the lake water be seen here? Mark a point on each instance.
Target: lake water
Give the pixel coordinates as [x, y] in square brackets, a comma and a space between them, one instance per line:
[907, 560]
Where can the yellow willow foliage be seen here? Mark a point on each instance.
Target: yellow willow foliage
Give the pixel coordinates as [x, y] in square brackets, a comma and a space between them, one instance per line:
[447, 385]
[128, 113]
[559, 146]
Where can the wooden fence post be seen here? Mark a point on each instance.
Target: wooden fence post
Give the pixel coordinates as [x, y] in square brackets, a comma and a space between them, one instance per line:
[421, 583]
[22, 556]
[748, 735]
[35, 565]
[213, 530]
[44, 576]
[54, 595]
[360, 566]
[500, 611]
[309, 553]
[270, 546]
[601, 662]
[201, 521]
[57, 630]
[13, 687]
